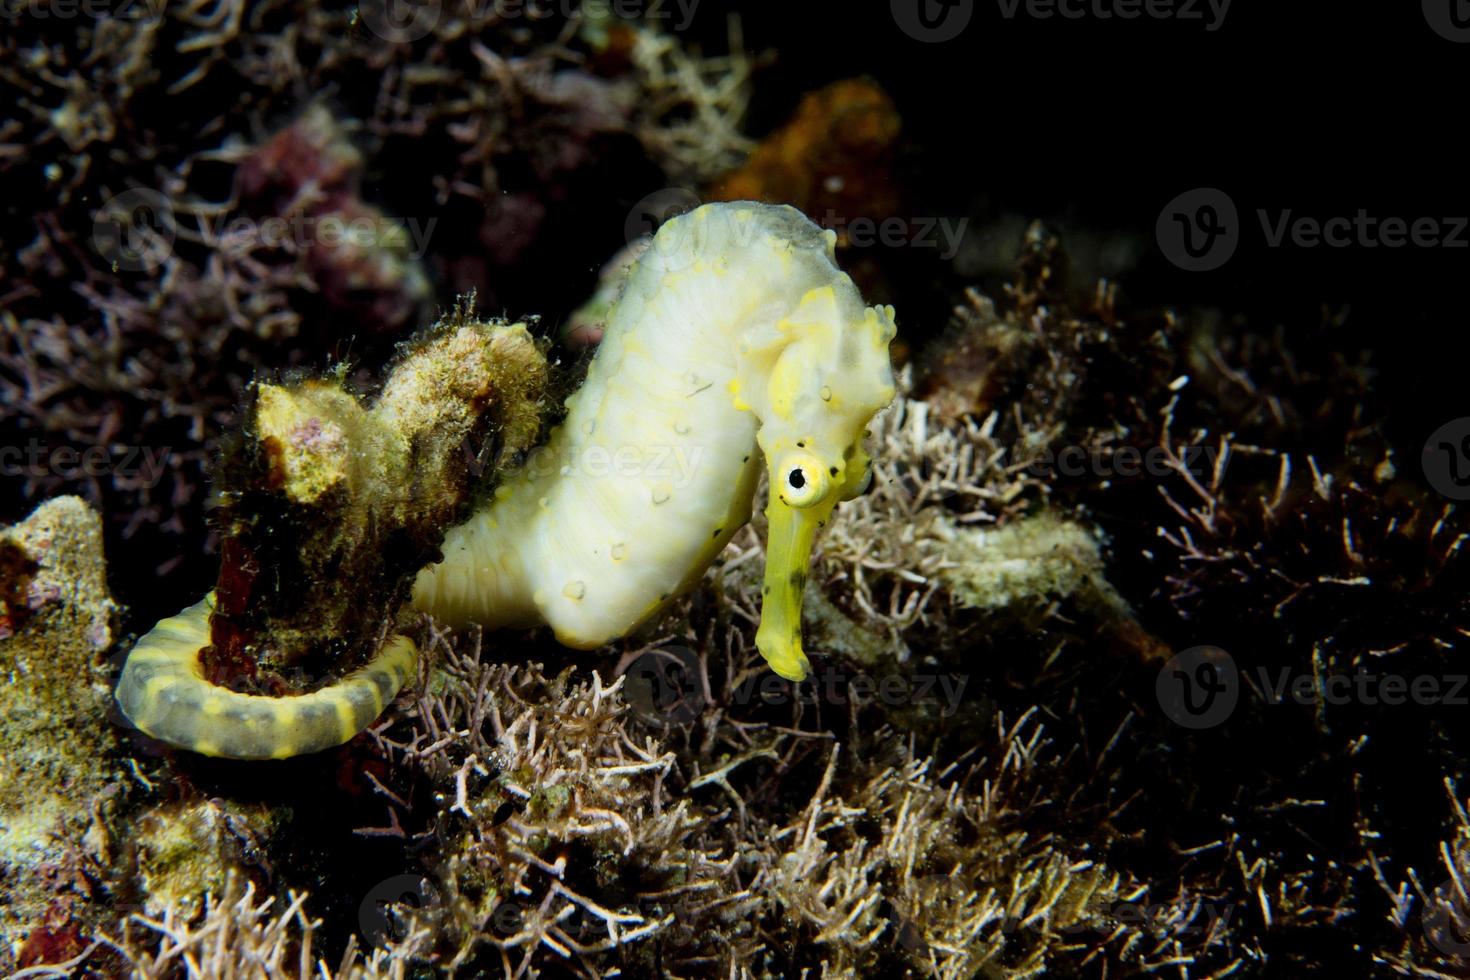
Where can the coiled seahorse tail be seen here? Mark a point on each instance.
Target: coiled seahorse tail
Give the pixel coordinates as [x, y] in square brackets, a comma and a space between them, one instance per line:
[163, 692]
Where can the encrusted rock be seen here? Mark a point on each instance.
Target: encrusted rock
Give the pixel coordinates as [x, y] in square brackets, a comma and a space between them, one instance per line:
[55, 738]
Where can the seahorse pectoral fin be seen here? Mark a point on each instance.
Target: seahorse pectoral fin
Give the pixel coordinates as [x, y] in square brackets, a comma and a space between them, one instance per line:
[788, 553]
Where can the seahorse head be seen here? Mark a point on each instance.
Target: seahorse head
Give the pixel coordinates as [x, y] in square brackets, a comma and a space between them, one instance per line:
[814, 376]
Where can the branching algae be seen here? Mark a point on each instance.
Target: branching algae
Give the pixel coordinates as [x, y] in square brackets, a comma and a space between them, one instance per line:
[736, 338]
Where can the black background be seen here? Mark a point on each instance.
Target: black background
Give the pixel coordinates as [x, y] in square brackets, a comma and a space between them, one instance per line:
[1321, 109]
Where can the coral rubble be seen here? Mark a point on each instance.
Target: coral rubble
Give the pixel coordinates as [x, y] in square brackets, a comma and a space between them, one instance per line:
[57, 761]
[330, 507]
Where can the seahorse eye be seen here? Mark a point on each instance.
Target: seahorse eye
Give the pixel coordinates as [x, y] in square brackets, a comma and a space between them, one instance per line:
[804, 480]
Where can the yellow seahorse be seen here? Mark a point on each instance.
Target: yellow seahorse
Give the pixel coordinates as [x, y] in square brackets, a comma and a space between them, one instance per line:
[736, 339]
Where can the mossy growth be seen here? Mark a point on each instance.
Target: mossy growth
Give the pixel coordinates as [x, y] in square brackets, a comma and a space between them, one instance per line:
[53, 790]
[331, 504]
[186, 851]
[1026, 564]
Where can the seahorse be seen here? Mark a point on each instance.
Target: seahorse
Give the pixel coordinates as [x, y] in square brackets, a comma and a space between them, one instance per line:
[736, 341]
[735, 332]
